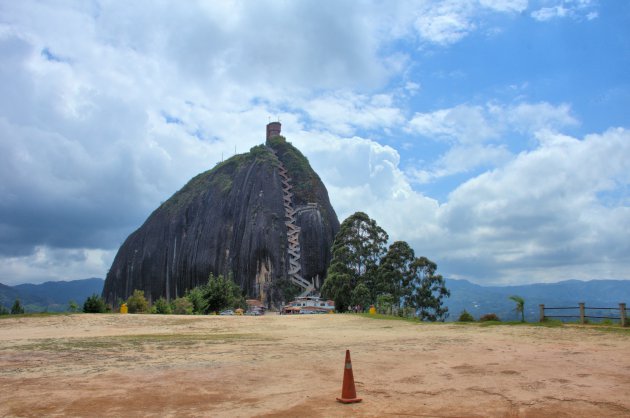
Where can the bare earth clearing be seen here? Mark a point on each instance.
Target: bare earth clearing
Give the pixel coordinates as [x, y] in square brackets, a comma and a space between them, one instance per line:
[152, 365]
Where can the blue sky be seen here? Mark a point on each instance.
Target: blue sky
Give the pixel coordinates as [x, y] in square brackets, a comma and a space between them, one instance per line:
[492, 135]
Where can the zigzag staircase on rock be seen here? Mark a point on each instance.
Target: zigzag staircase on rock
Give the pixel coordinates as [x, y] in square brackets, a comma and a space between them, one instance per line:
[293, 232]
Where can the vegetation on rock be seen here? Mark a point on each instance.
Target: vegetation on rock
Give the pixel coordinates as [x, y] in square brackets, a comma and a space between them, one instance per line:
[305, 180]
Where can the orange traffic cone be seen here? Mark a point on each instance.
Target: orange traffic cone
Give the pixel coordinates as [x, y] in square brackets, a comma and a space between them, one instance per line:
[348, 392]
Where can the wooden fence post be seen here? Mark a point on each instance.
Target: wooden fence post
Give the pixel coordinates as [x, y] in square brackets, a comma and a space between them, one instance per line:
[542, 312]
[582, 315]
[622, 314]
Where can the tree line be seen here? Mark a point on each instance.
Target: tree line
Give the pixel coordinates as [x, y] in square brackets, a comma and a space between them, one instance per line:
[218, 294]
[364, 272]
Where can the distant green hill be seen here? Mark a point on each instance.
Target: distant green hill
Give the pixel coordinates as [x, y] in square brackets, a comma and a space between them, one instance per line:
[50, 296]
[480, 300]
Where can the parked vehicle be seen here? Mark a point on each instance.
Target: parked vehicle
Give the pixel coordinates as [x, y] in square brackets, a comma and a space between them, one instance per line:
[227, 312]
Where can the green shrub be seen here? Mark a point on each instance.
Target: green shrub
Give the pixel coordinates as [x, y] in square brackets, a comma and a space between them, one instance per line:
[222, 293]
[490, 317]
[3, 310]
[161, 306]
[360, 296]
[466, 317]
[182, 306]
[136, 303]
[195, 296]
[94, 304]
[384, 303]
[17, 308]
[552, 322]
[73, 307]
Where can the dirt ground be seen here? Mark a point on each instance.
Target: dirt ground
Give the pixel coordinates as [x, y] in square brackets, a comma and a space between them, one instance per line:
[290, 366]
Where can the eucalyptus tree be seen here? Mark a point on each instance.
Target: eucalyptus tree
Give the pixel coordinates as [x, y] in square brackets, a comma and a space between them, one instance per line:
[428, 291]
[356, 253]
[395, 273]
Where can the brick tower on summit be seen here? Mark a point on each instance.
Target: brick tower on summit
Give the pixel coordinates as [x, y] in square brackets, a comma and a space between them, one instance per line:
[273, 129]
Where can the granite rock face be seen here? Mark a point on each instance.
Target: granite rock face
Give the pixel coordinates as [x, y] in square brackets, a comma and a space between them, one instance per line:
[231, 221]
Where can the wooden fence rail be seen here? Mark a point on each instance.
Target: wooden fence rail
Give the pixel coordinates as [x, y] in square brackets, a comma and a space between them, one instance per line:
[582, 307]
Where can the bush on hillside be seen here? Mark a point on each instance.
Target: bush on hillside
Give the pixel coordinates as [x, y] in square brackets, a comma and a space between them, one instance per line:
[195, 297]
[137, 303]
[161, 306]
[384, 303]
[94, 304]
[465, 317]
[222, 293]
[73, 306]
[182, 306]
[17, 308]
[490, 317]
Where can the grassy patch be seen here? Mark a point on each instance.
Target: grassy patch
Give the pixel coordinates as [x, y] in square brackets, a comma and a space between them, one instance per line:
[386, 317]
[36, 315]
[615, 329]
[395, 318]
[134, 342]
[546, 324]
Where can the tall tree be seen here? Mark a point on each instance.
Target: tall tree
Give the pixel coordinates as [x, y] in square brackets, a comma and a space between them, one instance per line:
[395, 273]
[428, 291]
[361, 296]
[356, 253]
[338, 285]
